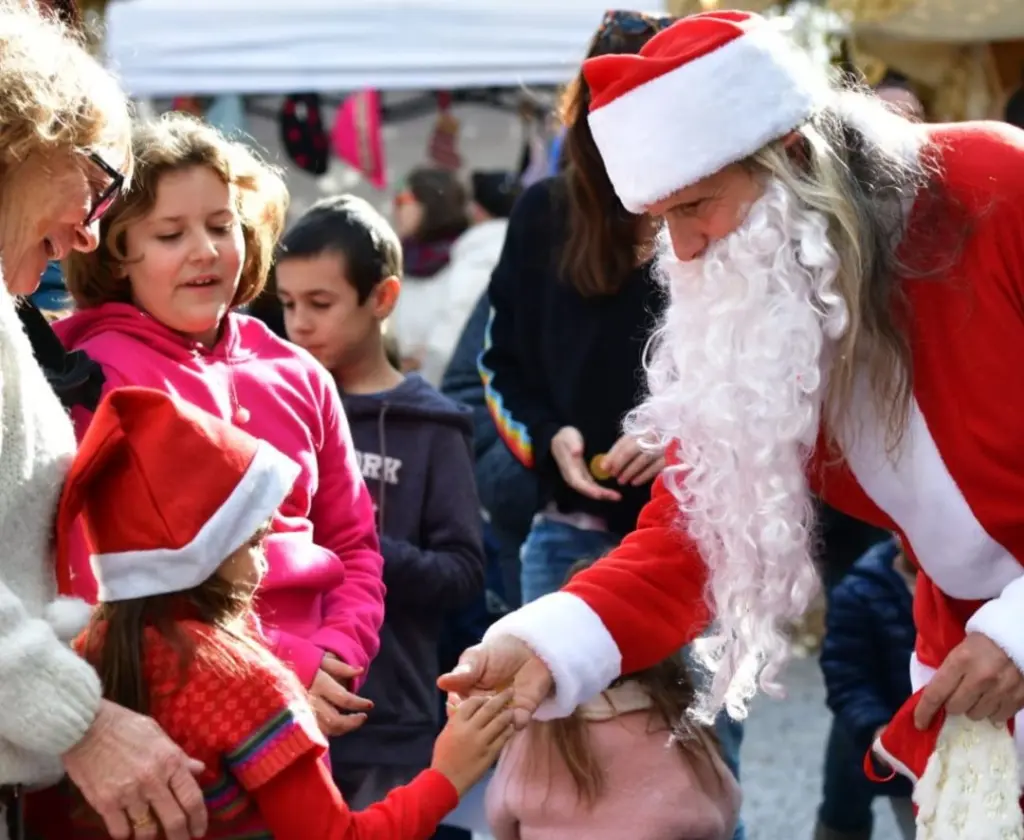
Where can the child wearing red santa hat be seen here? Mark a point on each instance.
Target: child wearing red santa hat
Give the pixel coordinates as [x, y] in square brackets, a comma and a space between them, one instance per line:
[176, 503]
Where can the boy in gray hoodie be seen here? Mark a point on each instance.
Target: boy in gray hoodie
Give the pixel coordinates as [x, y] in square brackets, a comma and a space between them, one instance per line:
[339, 276]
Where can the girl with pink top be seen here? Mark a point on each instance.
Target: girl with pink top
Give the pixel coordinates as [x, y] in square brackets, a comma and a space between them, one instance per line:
[187, 245]
[609, 771]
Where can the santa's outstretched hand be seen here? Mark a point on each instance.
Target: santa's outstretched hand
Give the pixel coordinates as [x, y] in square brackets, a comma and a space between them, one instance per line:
[500, 663]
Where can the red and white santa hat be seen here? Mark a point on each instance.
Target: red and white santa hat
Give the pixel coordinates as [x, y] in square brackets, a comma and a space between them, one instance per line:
[167, 492]
[710, 90]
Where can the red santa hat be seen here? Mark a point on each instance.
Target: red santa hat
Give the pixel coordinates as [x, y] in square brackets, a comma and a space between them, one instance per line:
[167, 492]
[710, 90]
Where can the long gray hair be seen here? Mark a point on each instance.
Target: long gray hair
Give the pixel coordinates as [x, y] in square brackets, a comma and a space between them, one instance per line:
[865, 167]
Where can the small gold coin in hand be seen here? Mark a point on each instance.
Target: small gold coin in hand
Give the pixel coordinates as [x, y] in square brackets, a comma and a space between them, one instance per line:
[597, 467]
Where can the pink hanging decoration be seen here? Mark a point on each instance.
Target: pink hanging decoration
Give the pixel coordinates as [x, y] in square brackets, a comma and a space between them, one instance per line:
[356, 136]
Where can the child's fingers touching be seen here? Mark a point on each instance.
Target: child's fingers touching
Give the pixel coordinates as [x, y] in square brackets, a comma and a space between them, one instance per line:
[496, 728]
[468, 707]
[492, 707]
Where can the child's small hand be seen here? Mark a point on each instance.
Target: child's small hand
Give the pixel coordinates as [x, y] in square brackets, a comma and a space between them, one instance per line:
[330, 699]
[471, 740]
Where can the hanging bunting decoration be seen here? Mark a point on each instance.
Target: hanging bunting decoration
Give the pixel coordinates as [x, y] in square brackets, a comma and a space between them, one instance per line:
[356, 136]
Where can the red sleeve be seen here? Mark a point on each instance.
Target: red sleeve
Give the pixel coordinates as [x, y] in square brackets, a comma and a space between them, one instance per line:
[649, 592]
[632, 609]
[301, 802]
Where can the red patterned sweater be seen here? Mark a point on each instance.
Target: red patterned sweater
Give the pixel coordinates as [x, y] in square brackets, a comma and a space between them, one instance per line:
[246, 717]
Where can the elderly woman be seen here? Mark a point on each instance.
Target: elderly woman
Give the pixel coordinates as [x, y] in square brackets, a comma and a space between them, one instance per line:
[64, 135]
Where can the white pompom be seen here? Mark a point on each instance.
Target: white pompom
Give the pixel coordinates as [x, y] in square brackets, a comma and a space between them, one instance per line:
[67, 616]
[970, 788]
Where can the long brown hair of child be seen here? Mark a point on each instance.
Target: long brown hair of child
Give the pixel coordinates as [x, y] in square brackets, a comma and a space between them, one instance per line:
[672, 694]
[115, 640]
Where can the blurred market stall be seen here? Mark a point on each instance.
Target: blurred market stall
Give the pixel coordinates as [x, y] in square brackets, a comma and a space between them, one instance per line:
[964, 58]
[167, 47]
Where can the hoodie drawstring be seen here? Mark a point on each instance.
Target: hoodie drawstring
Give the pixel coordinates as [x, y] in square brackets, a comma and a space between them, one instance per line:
[382, 440]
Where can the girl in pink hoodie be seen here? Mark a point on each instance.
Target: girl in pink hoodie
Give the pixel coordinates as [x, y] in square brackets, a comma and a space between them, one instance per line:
[189, 244]
[627, 764]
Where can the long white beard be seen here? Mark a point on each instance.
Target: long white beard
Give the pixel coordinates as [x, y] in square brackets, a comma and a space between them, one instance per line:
[735, 377]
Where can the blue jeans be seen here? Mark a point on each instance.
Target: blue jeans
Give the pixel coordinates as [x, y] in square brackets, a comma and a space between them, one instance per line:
[550, 550]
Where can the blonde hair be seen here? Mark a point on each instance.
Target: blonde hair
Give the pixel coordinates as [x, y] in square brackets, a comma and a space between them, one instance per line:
[174, 143]
[56, 97]
[862, 167]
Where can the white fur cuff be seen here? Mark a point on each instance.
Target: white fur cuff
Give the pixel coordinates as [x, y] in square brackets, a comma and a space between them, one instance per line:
[1000, 620]
[571, 640]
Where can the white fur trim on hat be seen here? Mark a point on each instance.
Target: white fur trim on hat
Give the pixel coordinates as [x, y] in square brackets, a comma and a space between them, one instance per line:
[136, 574]
[970, 788]
[687, 124]
[67, 617]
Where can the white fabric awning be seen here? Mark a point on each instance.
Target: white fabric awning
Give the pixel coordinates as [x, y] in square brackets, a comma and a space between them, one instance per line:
[169, 47]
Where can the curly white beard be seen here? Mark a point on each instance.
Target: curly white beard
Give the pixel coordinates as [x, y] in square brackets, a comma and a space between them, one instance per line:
[736, 382]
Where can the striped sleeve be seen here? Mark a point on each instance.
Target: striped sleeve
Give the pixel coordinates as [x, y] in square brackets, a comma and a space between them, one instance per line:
[281, 740]
[511, 365]
[270, 728]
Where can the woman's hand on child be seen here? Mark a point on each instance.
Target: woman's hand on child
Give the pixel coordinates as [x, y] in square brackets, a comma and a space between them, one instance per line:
[471, 740]
[338, 710]
[497, 664]
[136, 778]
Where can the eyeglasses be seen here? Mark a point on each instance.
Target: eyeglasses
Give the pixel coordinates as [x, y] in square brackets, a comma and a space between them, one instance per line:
[631, 23]
[110, 192]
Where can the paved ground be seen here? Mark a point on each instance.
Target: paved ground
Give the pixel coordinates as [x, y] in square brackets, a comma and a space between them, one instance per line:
[782, 758]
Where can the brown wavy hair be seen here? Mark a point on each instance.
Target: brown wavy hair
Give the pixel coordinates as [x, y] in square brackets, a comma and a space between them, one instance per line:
[171, 144]
[672, 694]
[602, 239]
[56, 97]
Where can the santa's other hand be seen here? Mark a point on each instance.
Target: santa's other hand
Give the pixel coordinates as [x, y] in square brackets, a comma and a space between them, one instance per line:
[977, 680]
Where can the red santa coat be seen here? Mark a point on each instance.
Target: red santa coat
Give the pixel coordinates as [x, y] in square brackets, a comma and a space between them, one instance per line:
[955, 493]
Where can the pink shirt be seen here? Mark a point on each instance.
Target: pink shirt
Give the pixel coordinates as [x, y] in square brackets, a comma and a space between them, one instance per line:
[652, 791]
[323, 591]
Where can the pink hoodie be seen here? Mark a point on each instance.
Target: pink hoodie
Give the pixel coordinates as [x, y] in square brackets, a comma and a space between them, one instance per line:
[323, 591]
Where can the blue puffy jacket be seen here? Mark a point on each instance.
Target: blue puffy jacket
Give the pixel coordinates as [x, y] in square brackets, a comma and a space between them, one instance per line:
[868, 642]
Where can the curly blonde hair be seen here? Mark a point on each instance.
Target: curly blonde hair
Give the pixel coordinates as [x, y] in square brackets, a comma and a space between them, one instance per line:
[174, 143]
[56, 97]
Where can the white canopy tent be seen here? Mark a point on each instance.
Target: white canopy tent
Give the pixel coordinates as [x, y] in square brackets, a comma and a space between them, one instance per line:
[204, 47]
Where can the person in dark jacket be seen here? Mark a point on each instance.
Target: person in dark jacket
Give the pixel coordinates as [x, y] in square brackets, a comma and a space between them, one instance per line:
[338, 277]
[509, 492]
[573, 303]
[866, 662]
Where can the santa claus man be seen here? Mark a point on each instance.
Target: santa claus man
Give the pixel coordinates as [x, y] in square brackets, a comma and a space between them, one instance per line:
[846, 316]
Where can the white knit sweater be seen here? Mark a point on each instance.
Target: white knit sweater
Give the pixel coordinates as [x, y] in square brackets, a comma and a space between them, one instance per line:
[48, 696]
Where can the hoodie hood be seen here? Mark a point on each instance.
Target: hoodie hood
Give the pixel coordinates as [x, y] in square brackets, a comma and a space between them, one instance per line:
[414, 398]
[235, 343]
